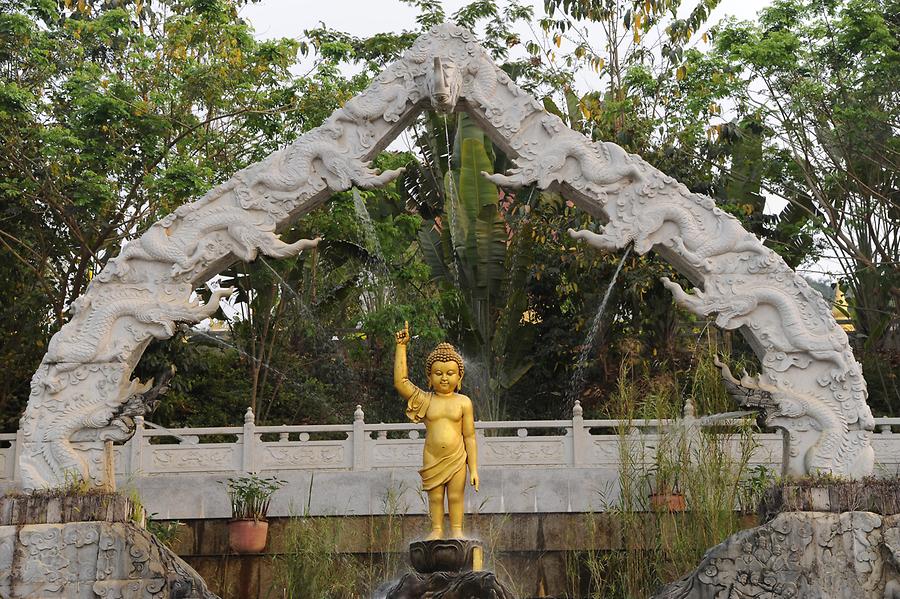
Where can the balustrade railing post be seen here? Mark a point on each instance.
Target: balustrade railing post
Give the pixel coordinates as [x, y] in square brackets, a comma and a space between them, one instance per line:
[358, 439]
[248, 442]
[136, 447]
[691, 429]
[580, 441]
[17, 454]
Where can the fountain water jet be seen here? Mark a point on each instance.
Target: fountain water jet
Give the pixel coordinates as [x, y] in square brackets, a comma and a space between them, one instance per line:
[578, 378]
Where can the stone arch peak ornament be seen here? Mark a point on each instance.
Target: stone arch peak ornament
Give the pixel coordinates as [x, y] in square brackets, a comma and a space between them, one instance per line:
[810, 385]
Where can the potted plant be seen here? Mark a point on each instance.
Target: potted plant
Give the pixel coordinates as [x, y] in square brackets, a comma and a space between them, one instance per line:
[665, 495]
[250, 496]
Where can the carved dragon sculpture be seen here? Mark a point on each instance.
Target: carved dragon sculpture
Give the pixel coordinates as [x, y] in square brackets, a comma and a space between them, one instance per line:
[779, 404]
[186, 248]
[601, 168]
[697, 246]
[738, 302]
[95, 315]
[815, 388]
[78, 357]
[247, 209]
[387, 101]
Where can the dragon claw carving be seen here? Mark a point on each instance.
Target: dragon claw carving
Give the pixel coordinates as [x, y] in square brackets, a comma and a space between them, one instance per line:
[371, 179]
[514, 179]
[598, 240]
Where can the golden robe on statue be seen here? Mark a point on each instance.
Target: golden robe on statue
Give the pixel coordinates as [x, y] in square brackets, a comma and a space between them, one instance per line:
[440, 470]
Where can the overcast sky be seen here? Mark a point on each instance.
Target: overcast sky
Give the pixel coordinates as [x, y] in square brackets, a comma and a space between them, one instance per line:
[288, 18]
[362, 18]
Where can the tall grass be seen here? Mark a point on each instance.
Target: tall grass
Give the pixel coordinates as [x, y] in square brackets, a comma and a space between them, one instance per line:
[387, 546]
[312, 565]
[708, 466]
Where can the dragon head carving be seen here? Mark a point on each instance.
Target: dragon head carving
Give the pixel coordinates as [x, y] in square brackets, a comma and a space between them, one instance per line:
[753, 392]
[444, 82]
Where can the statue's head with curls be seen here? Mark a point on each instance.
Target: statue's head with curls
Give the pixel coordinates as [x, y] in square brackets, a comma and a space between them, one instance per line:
[444, 369]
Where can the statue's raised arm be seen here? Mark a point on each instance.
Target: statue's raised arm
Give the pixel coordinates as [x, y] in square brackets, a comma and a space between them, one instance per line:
[404, 386]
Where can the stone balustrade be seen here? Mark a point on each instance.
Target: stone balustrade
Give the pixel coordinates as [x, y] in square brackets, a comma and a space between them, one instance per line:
[542, 465]
[366, 446]
[362, 446]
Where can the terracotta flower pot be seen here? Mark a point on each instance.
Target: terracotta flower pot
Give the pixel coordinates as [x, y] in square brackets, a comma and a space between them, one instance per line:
[667, 502]
[247, 536]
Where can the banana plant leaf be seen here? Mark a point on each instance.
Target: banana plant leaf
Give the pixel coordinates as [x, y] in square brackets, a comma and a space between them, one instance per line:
[469, 249]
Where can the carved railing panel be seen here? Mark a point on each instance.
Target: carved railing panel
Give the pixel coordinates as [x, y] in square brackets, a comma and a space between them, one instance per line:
[303, 456]
[82, 393]
[542, 451]
[397, 453]
[209, 457]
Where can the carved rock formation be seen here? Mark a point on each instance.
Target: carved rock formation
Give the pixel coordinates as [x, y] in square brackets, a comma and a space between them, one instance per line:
[444, 570]
[92, 559]
[816, 391]
[449, 585]
[852, 555]
[71, 545]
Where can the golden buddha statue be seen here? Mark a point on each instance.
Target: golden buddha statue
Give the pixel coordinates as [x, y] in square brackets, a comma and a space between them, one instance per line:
[449, 431]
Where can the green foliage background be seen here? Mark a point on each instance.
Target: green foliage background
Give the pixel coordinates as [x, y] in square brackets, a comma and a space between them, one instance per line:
[114, 113]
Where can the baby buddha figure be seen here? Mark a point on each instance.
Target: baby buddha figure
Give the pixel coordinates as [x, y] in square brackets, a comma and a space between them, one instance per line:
[449, 431]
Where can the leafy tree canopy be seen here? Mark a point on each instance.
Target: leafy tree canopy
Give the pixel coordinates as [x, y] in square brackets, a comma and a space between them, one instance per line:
[113, 114]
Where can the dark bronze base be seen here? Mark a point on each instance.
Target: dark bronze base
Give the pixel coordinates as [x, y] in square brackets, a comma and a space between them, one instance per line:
[447, 569]
[449, 585]
[446, 555]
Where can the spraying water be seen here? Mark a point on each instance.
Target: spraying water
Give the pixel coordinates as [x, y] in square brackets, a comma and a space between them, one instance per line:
[370, 236]
[578, 379]
[379, 288]
[449, 202]
[477, 385]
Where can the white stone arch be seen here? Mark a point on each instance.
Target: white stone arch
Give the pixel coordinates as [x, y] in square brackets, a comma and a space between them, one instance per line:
[810, 385]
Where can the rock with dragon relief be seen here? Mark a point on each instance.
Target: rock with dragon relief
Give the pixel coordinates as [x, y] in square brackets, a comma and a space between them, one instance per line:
[800, 554]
